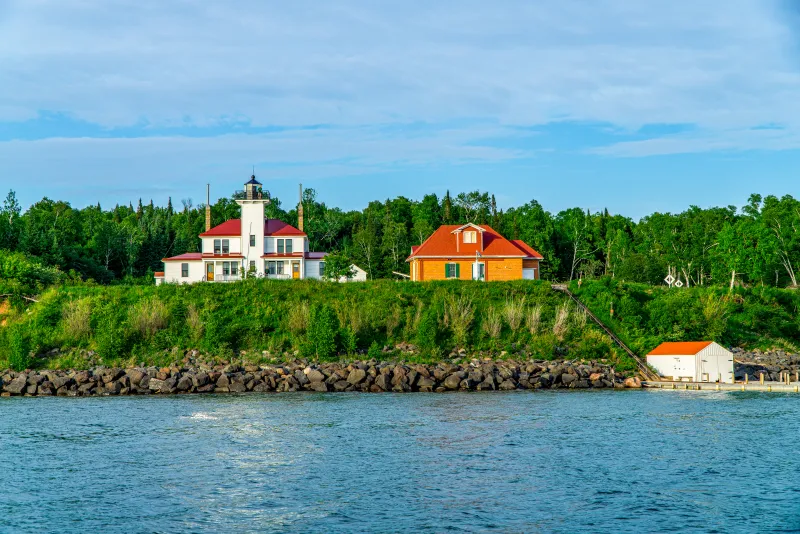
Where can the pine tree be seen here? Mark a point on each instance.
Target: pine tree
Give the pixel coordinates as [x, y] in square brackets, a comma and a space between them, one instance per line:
[447, 206]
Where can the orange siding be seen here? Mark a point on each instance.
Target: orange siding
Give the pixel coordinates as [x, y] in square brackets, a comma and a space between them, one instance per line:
[507, 269]
[496, 269]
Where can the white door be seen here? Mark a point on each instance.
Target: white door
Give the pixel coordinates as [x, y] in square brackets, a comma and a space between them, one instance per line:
[478, 271]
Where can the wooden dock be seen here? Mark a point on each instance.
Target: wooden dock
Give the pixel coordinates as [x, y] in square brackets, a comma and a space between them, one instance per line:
[771, 387]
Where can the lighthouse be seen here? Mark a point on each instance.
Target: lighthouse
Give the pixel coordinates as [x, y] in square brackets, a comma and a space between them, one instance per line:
[252, 204]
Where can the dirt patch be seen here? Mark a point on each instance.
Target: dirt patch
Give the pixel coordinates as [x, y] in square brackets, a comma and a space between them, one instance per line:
[5, 307]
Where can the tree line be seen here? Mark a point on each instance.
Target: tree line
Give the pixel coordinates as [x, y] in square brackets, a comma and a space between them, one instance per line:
[757, 244]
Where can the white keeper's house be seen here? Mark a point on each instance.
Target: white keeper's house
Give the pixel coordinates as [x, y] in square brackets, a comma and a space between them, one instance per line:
[252, 244]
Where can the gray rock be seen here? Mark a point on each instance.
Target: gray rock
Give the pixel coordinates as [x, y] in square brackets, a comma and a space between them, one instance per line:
[568, 379]
[318, 386]
[453, 381]
[154, 384]
[315, 376]
[17, 386]
[237, 387]
[356, 376]
[185, 383]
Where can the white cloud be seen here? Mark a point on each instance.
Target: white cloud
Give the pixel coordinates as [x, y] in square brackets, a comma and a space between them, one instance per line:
[721, 64]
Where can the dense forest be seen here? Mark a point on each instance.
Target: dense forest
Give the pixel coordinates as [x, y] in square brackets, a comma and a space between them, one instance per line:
[758, 244]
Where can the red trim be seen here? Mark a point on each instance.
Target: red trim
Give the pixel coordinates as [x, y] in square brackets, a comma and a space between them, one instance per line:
[158, 274]
[189, 256]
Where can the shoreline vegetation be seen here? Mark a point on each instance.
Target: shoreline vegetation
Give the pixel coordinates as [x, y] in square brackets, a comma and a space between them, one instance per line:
[265, 322]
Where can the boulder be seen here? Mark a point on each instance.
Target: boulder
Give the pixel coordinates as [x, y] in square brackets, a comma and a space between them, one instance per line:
[237, 387]
[185, 383]
[568, 379]
[453, 381]
[341, 385]
[316, 376]
[384, 381]
[17, 386]
[154, 384]
[633, 382]
[200, 379]
[318, 386]
[356, 376]
[223, 381]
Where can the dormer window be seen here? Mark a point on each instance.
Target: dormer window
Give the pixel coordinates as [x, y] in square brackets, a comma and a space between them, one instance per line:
[471, 237]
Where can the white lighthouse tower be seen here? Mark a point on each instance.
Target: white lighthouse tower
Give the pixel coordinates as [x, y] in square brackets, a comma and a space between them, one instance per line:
[253, 222]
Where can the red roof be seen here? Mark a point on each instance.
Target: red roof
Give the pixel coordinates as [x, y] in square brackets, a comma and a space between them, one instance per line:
[233, 228]
[524, 247]
[447, 242]
[679, 348]
[158, 274]
[278, 227]
[230, 228]
[189, 256]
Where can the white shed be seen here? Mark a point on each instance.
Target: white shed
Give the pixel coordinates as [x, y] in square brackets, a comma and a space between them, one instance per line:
[693, 361]
[359, 275]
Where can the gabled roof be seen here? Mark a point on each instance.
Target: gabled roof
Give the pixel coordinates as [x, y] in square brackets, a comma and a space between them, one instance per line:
[189, 256]
[233, 228]
[524, 247]
[443, 244]
[278, 227]
[679, 348]
[229, 228]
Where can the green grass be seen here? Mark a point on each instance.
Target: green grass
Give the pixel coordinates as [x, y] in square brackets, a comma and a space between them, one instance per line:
[268, 320]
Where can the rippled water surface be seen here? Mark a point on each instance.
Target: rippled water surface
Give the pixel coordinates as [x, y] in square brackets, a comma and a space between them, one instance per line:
[589, 461]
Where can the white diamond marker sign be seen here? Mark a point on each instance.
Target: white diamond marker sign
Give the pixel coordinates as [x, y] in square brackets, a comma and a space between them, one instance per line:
[678, 284]
[669, 279]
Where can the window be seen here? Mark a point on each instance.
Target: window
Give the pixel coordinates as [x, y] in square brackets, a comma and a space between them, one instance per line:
[225, 246]
[226, 268]
[252, 240]
[253, 265]
[284, 246]
[452, 270]
[185, 270]
[234, 268]
[470, 237]
[217, 246]
[322, 269]
[274, 267]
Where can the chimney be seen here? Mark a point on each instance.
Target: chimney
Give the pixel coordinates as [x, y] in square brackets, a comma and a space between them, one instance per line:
[208, 207]
[300, 210]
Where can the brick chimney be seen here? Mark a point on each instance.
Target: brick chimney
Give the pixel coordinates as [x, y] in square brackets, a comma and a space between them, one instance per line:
[208, 207]
[300, 210]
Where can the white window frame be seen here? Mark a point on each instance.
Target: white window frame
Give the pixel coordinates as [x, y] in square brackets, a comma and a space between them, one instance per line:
[184, 270]
[470, 237]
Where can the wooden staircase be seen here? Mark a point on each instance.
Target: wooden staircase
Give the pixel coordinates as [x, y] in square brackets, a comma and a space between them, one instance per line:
[644, 370]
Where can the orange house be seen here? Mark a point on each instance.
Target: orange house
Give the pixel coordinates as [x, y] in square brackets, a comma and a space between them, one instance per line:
[472, 252]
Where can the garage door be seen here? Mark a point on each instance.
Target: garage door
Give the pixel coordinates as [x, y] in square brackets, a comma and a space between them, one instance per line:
[529, 274]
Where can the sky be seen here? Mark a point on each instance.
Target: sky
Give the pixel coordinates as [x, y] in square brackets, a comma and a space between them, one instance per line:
[635, 107]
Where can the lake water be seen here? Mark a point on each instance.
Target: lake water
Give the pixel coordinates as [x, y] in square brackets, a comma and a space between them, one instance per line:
[590, 461]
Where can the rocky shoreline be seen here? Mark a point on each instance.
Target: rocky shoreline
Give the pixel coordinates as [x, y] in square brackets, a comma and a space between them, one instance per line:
[771, 363]
[300, 375]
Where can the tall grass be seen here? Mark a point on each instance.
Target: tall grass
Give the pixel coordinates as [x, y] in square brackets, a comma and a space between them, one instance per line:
[298, 317]
[533, 319]
[561, 323]
[492, 323]
[194, 322]
[514, 312]
[77, 318]
[459, 312]
[148, 317]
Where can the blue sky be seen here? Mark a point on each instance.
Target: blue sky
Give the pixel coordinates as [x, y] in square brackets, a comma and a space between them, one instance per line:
[631, 106]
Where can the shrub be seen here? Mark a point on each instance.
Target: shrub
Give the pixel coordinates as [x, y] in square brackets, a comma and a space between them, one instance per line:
[194, 322]
[19, 348]
[321, 333]
[392, 321]
[428, 333]
[533, 319]
[111, 337]
[492, 323]
[514, 311]
[459, 313]
[298, 317]
[561, 323]
[349, 340]
[148, 317]
[374, 352]
[77, 320]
